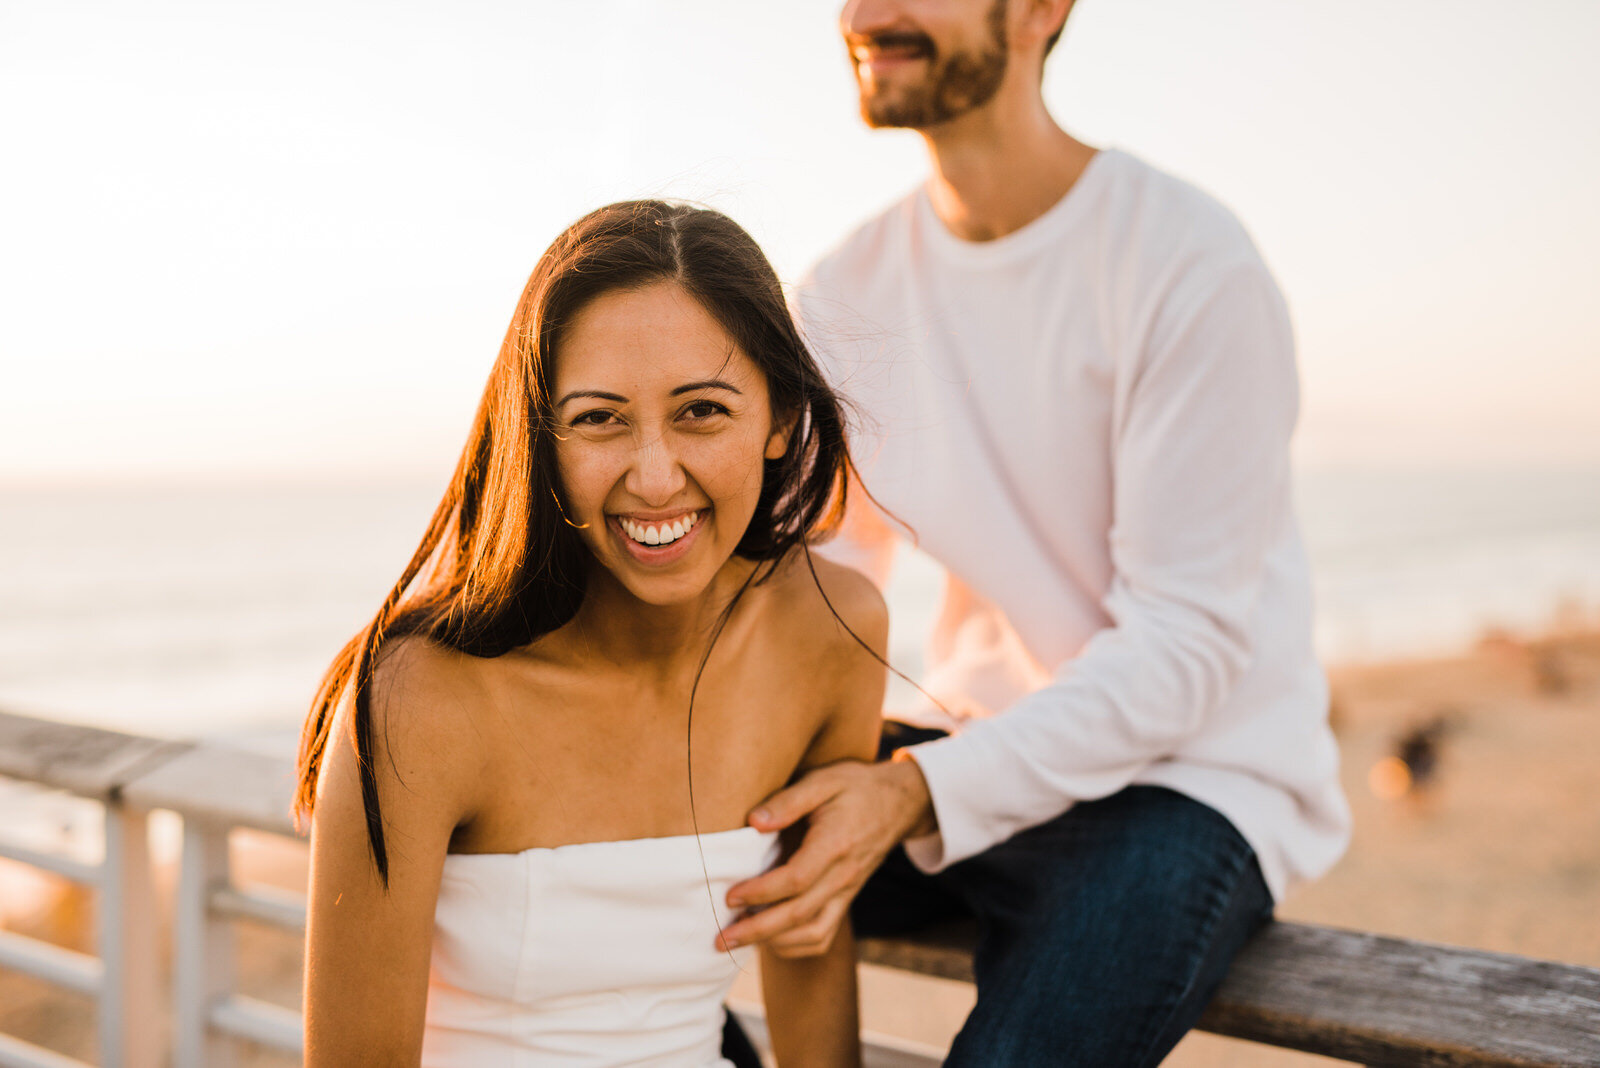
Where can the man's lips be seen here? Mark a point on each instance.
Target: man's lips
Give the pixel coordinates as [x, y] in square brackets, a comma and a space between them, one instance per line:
[887, 50]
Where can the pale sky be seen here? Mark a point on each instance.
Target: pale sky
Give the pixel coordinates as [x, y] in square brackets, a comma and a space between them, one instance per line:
[279, 238]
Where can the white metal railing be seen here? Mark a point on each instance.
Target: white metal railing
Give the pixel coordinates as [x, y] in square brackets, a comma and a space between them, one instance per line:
[214, 790]
[123, 978]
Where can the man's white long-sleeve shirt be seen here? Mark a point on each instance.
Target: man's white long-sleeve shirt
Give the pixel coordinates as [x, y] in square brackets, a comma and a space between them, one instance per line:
[1086, 422]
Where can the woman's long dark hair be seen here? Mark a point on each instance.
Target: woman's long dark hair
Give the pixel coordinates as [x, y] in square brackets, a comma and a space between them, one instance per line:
[499, 565]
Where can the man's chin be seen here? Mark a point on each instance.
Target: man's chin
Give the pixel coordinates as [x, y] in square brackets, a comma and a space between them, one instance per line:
[881, 113]
[876, 121]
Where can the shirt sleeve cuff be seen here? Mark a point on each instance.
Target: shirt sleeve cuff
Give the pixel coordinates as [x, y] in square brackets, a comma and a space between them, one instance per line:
[962, 833]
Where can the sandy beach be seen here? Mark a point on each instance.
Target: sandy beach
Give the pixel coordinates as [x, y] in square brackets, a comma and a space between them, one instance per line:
[1494, 843]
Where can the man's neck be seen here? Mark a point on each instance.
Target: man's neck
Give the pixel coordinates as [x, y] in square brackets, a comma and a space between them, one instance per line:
[1000, 167]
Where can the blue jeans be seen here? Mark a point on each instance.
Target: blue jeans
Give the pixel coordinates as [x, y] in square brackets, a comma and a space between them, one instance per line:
[1102, 934]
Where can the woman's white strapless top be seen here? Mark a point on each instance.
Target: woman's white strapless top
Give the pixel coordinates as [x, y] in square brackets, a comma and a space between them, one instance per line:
[589, 955]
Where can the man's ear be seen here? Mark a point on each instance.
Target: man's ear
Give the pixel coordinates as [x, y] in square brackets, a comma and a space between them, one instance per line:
[778, 441]
[1043, 18]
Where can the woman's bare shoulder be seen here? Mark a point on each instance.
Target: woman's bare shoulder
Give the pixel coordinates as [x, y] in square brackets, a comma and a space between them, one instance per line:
[835, 629]
[418, 676]
[824, 603]
[426, 720]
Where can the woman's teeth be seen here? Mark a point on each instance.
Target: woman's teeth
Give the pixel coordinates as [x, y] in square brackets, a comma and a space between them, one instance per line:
[659, 533]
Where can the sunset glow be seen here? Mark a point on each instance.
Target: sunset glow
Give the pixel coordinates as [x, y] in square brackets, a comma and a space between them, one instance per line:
[1389, 779]
[285, 239]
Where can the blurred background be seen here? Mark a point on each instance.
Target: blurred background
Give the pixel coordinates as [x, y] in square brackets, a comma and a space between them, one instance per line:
[256, 260]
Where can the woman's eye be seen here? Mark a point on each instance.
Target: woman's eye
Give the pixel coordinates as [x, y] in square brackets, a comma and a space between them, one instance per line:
[595, 418]
[704, 410]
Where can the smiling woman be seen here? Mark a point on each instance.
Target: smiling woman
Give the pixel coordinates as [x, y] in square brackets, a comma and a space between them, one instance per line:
[614, 596]
[661, 478]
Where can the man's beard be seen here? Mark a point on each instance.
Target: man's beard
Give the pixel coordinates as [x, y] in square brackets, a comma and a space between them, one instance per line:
[953, 86]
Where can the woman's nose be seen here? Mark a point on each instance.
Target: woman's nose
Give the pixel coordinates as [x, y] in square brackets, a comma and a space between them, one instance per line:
[655, 476]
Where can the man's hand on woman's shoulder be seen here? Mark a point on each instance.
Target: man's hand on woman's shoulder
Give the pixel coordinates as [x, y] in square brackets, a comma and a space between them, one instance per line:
[856, 812]
[853, 811]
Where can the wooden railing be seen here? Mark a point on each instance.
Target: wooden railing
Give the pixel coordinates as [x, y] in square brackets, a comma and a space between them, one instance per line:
[1365, 998]
[1345, 994]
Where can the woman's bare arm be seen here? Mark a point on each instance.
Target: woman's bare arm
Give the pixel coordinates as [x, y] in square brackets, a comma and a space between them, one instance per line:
[811, 1000]
[367, 949]
[812, 1011]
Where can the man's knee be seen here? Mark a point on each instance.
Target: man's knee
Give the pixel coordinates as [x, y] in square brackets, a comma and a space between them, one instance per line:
[1102, 929]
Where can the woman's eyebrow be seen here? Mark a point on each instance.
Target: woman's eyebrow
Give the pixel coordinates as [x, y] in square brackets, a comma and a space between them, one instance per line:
[710, 383]
[597, 394]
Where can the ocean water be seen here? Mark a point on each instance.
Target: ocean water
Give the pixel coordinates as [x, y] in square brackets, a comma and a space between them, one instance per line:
[211, 610]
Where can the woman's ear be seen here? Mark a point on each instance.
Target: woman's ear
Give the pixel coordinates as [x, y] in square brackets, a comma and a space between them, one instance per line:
[778, 440]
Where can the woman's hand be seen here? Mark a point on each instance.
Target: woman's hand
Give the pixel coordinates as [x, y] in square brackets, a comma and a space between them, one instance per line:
[856, 813]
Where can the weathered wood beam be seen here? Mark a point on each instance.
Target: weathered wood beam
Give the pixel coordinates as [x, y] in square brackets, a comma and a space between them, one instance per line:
[1388, 1001]
[222, 787]
[1362, 997]
[85, 761]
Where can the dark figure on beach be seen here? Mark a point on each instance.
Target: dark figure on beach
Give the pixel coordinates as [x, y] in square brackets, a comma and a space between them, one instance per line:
[1419, 749]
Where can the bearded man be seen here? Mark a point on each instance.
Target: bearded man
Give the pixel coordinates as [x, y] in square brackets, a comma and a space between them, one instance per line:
[1080, 381]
